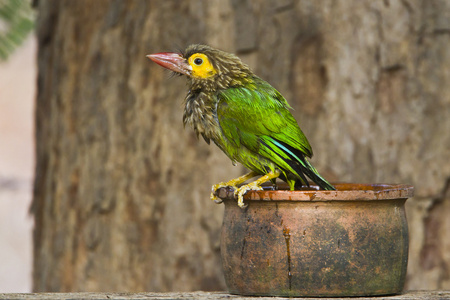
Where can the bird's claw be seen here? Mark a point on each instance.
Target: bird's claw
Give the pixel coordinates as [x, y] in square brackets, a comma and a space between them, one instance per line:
[238, 192]
[241, 191]
[214, 189]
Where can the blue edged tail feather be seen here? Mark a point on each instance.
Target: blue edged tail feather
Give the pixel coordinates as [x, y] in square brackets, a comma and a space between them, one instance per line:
[297, 161]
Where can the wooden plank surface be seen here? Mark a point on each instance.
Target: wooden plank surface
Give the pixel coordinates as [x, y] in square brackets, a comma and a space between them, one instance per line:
[209, 296]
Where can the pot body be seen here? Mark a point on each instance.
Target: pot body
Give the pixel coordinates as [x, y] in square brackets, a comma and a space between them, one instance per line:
[321, 247]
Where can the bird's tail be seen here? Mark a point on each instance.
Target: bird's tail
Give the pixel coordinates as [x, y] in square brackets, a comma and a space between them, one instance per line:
[298, 164]
[312, 173]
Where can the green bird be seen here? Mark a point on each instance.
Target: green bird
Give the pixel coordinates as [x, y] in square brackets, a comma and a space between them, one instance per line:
[244, 116]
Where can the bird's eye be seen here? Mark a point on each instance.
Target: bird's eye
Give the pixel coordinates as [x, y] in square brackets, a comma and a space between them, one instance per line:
[198, 61]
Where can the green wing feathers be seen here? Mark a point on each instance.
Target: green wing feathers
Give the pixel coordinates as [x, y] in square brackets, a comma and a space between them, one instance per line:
[262, 134]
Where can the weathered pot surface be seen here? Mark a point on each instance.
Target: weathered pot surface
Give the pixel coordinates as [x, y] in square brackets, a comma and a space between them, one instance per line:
[348, 242]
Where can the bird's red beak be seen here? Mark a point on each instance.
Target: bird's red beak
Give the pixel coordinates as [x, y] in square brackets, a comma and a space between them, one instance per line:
[172, 61]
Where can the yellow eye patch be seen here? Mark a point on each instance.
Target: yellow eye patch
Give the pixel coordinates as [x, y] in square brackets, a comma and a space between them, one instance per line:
[201, 66]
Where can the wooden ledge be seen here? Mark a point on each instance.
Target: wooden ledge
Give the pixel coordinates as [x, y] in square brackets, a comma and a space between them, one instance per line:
[208, 296]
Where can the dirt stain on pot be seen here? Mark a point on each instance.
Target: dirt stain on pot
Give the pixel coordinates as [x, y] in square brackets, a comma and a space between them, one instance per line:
[287, 238]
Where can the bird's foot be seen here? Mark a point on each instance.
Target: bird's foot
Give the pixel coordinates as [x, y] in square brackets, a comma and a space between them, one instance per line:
[254, 186]
[217, 186]
[240, 192]
[233, 183]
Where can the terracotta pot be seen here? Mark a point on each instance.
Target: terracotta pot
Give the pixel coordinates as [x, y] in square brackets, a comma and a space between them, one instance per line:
[348, 242]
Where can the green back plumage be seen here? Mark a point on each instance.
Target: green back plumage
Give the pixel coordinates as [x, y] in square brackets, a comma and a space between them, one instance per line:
[255, 110]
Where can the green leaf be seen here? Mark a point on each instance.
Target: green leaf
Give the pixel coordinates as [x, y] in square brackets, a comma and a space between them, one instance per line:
[16, 22]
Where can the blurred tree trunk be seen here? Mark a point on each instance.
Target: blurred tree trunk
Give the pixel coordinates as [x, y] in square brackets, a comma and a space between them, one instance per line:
[121, 200]
[121, 197]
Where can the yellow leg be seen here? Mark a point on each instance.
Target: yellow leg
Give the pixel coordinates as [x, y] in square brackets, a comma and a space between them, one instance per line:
[255, 186]
[233, 183]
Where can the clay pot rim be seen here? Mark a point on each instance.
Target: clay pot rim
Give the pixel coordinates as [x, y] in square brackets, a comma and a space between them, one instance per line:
[343, 192]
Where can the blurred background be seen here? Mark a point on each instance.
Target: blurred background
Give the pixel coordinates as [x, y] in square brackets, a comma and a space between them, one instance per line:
[120, 191]
[17, 95]
[16, 167]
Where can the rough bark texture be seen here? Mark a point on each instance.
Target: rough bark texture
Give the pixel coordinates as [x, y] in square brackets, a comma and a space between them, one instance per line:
[122, 191]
